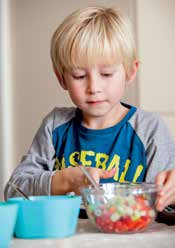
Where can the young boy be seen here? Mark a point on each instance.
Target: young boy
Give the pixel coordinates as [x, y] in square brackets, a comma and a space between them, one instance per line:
[94, 59]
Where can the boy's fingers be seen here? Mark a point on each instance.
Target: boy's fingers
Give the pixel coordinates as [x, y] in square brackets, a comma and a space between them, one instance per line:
[161, 203]
[160, 178]
[169, 182]
[99, 173]
[161, 181]
[166, 195]
[107, 173]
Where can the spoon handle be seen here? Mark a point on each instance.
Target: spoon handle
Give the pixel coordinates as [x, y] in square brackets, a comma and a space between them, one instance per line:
[15, 187]
[93, 182]
[90, 178]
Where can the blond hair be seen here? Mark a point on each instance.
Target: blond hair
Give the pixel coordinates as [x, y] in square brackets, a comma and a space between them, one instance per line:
[93, 35]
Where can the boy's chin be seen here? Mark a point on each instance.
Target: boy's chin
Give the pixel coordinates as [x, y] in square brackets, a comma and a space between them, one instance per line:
[95, 113]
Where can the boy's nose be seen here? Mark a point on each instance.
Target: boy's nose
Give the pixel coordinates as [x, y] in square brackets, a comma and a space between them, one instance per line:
[93, 86]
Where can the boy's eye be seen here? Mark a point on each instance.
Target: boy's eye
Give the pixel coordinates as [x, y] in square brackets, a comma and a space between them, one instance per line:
[107, 74]
[79, 77]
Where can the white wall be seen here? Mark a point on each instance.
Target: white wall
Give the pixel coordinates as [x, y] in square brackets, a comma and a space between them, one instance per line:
[6, 145]
[1, 129]
[156, 41]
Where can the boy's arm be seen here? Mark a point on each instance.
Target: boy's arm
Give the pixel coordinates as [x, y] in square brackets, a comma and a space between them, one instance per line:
[33, 175]
[160, 150]
[161, 162]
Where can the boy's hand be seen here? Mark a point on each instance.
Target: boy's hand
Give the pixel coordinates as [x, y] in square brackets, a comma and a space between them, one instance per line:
[72, 179]
[166, 196]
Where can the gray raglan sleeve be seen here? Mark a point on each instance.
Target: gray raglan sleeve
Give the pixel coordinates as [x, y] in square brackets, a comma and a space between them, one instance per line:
[157, 140]
[33, 175]
[161, 157]
[160, 150]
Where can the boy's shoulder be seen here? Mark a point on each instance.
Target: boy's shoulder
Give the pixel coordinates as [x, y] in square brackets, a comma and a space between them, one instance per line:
[144, 117]
[149, 125]
[59, 116]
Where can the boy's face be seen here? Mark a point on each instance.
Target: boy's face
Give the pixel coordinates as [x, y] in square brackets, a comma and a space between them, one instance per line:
[97, 91]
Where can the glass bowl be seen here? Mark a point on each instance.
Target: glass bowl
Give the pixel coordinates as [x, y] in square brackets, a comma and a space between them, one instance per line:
[121, 207]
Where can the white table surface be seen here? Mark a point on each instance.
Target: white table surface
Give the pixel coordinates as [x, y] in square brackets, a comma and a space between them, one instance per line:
[157, 236]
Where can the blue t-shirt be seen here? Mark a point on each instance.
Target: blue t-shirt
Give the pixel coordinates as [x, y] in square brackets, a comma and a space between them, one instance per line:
[118, 146]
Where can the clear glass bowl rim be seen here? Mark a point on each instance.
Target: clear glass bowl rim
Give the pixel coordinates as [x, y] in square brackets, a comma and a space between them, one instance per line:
[127, 188]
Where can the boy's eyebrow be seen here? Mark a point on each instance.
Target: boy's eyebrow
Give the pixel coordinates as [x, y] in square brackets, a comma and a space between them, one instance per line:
[75, 70]
[101, 67]
[108, 66]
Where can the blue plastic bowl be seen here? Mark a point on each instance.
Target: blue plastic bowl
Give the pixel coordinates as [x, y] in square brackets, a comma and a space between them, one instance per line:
[47, 216]
[8, 214]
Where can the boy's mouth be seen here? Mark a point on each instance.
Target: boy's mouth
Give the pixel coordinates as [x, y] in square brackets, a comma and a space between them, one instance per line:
[95, 102]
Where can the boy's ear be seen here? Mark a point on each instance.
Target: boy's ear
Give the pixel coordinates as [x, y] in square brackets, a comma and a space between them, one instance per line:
[60, 79]
[134, 71]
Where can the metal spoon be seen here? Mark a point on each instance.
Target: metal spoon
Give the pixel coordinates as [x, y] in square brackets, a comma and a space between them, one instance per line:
[93, 182]
[17, 189]
[90, 178]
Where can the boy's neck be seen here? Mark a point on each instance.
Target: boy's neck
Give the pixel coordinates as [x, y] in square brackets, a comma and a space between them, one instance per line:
[105, 121]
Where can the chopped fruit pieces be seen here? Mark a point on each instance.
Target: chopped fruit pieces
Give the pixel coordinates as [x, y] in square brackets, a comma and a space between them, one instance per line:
[123, 214]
